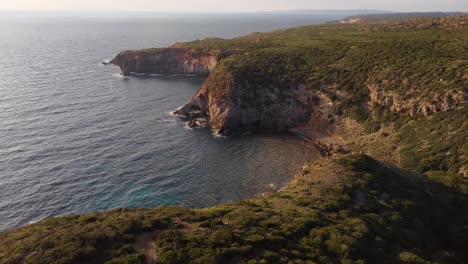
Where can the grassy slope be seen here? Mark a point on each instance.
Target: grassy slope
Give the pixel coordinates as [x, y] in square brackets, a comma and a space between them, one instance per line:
[349, 209]
[421, 61]
[349, 56]
[396, 17]
[436, 147]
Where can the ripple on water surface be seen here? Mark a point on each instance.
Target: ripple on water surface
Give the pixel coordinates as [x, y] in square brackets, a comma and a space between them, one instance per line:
[74, 138]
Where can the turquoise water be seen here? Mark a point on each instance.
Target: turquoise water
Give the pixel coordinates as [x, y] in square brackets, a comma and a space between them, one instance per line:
[74, 137]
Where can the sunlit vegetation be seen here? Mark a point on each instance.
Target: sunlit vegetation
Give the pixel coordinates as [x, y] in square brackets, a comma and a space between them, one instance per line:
[346, 209]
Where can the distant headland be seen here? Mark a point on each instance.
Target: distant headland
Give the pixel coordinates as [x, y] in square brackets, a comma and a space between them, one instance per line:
[383, 97]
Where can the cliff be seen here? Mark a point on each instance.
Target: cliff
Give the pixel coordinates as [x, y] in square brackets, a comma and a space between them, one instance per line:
[228, 105]
[310, 80]
[269, 82]
[415, 103]
[169, 61]
[394, 95]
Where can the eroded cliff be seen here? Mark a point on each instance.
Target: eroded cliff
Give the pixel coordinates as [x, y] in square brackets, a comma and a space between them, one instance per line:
[395, 93]
[417, 101]
[174, 60]
[269, 82]
[229, 105]
[408, 80]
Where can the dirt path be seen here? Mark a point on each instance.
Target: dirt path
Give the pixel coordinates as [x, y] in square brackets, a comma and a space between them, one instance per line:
[145, 245]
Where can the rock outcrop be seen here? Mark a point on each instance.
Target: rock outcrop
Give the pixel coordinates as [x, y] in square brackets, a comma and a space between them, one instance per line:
[225, 103]
[230, 106]
[413, 102]
[276, 81]
[172, 60]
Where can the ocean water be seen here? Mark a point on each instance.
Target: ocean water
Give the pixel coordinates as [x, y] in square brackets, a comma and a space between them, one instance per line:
[76, 138]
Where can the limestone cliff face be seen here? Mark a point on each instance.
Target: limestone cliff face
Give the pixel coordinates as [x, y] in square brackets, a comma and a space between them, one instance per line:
[172, 60]
[413, 102]
[231, 103]
[225, 103]
[231, 106]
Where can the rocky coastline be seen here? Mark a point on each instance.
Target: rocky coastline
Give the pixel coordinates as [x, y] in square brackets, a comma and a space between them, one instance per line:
[171, 60]
[384, 103]
[224, 104]
[229, 104]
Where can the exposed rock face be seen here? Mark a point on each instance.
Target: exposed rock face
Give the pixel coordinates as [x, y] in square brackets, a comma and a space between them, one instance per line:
[169, 61]
[351, 20]
[224, 103]
[236, 107]
[229, 103]
[419, 103]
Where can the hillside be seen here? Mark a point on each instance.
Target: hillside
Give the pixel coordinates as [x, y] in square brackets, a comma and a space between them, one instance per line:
[394, 17]
[385, 102]
[350, 209]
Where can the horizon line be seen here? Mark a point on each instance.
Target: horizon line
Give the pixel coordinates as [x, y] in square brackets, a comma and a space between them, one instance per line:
[223, 12]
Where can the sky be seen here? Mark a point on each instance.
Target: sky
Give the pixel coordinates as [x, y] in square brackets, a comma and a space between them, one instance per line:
[229, 6]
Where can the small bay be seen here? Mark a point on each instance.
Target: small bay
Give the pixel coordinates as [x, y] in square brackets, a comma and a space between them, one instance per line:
[77, 138]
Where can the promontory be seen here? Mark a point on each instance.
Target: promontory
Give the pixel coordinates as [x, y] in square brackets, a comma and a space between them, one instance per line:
[386, 102]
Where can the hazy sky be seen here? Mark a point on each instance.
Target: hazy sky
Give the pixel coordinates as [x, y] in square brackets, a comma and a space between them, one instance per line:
[230, 6]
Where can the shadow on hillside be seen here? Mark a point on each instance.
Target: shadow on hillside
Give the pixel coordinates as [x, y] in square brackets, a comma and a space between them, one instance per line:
[412, 214]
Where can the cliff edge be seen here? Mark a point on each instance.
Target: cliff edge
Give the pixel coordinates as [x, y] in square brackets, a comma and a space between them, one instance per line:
[174, 60]
[287, 78]
[394, 94]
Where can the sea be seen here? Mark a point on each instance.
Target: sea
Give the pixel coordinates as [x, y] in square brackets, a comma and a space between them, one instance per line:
[76, 137]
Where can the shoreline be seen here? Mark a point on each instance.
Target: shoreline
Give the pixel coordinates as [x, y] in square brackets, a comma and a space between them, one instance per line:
[277, 187]
[390, 134]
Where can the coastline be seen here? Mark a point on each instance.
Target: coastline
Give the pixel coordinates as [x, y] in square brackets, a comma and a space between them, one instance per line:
[361, 202]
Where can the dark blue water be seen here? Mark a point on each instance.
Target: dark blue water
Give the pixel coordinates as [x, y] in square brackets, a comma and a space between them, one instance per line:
[74, 137]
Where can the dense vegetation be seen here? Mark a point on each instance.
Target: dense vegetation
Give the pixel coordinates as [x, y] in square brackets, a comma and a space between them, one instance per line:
[344, 210]
[404, 202]
[426, 66]
[418, 69]
[394, 17]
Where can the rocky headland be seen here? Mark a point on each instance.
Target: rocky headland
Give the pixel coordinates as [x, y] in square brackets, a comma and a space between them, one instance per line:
[240, 96]
[225, 103]
[174, 60]
[387, 102]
